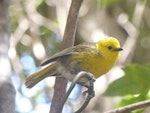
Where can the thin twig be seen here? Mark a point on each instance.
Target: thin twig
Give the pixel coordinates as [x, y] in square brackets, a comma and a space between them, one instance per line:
[90, 90]
[68, 40]
[69, 35]
[131, 107]
[91, 94]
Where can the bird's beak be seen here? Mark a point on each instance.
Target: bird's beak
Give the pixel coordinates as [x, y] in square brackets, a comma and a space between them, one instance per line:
[118, 49]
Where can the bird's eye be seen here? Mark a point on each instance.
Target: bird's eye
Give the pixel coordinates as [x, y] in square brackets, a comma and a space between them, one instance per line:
[109, 47]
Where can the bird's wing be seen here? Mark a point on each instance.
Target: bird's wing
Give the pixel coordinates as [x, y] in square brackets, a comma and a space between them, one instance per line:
[84, 47]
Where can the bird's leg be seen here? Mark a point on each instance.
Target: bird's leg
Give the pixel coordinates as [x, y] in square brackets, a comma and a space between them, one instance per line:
[89, 78]
[90, 90]
[90, 93]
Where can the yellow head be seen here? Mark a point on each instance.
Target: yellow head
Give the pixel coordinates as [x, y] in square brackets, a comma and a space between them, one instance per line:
[109, 47]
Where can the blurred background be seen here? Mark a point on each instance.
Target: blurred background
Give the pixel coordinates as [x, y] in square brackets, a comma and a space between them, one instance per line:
[35, 32]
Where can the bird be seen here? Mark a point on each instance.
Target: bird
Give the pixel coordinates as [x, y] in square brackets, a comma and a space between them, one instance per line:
[96, 58]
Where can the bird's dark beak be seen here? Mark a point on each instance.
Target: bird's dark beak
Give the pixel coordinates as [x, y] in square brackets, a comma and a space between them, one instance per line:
[118, 49]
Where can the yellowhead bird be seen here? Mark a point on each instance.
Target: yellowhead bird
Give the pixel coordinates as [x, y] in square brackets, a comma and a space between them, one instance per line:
[96, 58]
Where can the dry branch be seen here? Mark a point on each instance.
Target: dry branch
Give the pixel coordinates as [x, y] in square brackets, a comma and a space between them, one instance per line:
[131, 107]
[68, 40]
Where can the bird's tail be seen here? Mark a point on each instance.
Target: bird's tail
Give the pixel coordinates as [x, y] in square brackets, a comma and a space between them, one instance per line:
[47, 71]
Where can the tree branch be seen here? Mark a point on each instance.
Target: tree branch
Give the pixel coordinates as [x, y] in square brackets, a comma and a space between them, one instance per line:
[68, 40]
[131, 107]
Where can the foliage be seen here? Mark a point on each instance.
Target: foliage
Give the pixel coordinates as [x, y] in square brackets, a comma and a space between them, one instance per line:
[133, 86]
[108, 3]
[135, 81]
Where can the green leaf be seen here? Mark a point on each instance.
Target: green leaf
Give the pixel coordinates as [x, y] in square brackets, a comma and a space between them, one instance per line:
[121, 87]
[129, 99]
[108, 2]
[140, 74]
[135, 81]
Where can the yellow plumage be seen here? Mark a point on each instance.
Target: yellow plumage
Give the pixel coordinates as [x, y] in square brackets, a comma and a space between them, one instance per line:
[96, 58]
